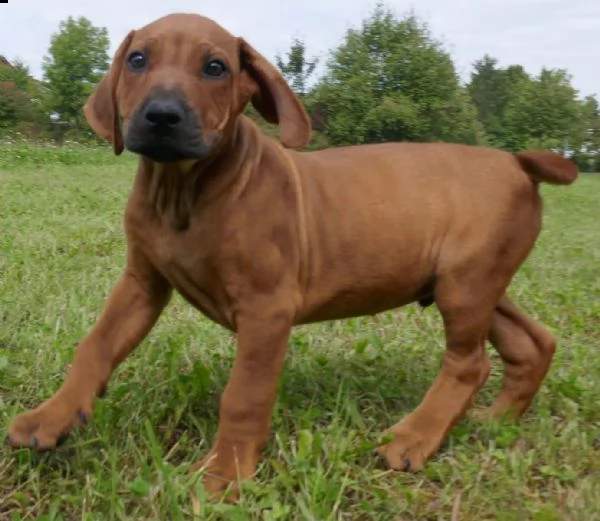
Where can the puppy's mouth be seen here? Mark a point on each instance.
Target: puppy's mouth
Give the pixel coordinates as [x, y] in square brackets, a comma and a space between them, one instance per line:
[166, 150]
[164, 129]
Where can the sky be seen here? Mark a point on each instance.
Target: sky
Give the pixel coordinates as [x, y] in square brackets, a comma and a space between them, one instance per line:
[533, 33]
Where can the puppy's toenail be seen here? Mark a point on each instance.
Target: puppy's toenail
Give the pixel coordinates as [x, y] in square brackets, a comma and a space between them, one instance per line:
[379, 458]
[7, 440]
[407, 464]
[34, 442]
[83, 418]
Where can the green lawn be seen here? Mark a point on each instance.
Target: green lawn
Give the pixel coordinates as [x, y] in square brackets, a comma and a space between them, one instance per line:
[62, 248]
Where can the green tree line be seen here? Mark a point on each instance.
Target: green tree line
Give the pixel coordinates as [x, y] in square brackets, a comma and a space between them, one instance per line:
[389, 80]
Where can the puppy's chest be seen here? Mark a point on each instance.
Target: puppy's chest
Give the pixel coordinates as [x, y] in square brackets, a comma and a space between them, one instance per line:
[179, 253]
[186, 260]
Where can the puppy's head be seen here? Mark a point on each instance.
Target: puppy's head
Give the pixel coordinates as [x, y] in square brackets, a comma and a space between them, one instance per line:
[177, 85]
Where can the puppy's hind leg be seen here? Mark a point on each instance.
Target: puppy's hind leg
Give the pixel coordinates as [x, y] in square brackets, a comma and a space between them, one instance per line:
[466, 301]
[527, 350]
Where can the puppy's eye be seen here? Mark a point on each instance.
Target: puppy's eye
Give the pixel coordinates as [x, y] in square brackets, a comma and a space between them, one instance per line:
[137, 61]
[215, 69]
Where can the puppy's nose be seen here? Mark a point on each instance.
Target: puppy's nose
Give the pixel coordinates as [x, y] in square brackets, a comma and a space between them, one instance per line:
[164, 113]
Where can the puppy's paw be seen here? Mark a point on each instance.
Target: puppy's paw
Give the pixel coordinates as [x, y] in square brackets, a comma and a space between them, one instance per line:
[219, 483]
[409, 450]
[224, 467]
[48, 426]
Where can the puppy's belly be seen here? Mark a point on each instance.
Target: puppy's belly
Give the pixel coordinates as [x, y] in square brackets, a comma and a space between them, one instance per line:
[357, 300]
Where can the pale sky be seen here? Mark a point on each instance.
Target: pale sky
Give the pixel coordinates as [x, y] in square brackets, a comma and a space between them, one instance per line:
[533, 33]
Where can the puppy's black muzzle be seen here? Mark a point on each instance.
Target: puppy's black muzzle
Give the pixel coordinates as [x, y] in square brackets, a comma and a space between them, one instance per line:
[165, 130]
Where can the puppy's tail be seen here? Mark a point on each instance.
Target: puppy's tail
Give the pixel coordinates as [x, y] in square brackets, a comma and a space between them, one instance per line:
[548, 167]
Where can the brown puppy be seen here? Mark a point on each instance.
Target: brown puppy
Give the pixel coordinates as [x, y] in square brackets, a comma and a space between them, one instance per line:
[260, 238]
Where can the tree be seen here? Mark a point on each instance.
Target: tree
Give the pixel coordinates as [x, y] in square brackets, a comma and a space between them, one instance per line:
[391, 81]
[492, 89]
[585, 138]
[76, 61]
[16, 72]
[543, 112]
[519, 111]
[20, 98]
[13, 104]
[487, 89]
[490, 92]
[296, 68]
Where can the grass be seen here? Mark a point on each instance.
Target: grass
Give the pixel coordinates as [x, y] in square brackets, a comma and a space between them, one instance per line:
[61, 250]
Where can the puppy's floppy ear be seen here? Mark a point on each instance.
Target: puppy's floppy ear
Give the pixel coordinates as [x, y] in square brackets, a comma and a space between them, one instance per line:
[274, 99]
[101, 110]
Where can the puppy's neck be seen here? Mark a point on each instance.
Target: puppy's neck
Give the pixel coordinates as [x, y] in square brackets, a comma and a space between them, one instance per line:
[174, 189]
[185, 166]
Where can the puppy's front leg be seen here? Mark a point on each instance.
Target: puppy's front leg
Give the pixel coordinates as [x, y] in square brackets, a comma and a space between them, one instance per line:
[248, 399]
[130, 312]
